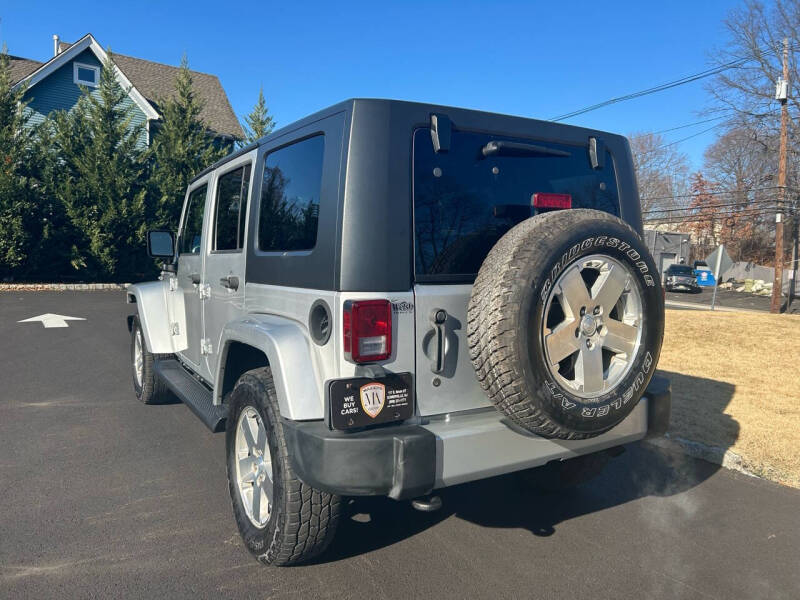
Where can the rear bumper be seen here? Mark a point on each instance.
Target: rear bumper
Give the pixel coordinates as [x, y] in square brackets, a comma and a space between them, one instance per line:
[406, 461]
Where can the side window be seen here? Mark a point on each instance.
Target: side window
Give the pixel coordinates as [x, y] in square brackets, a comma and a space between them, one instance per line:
[231, 210]
[290, 194]
[193, 223]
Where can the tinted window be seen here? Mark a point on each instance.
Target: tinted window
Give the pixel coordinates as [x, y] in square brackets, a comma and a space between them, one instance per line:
[290, 197]
[231, 211]
[465, 201]
[680, 270]
[193, 223]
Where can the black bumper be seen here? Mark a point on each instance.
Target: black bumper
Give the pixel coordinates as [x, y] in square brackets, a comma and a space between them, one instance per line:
[399, 461]
[396, 461]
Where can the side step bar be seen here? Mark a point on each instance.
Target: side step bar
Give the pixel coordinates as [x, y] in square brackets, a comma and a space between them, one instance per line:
[193, 393]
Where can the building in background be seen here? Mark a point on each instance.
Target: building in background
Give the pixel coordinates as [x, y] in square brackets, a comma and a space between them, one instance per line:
[56, 85]
[667, 247]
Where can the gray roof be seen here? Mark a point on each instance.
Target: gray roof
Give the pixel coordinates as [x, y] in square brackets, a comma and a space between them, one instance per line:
[156, 82]
[22, 67]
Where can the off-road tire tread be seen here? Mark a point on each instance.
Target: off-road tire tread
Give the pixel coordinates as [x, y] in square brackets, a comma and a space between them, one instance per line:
[307, 525]
[493, 324]
[154, 390]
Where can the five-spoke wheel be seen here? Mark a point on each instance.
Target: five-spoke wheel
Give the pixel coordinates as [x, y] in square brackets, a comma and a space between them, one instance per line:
[592, 325]
[254, 467]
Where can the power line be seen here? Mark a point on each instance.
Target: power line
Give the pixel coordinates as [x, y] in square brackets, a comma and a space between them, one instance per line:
[703, 212]
[719, 193]
[763, 211]
[654, 89]
[690, 124]
[664, 86]
[744, 204]
[688, 137]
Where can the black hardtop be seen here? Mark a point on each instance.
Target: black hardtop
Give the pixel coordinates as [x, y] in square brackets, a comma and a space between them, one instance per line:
[476, 120]
[366, 241]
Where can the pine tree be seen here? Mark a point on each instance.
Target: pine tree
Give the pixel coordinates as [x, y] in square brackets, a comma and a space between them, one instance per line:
[101, 180]
[18, 191]
[181, 147]
[259, 122]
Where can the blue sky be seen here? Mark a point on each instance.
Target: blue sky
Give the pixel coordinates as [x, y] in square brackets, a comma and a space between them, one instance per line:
[537, 59]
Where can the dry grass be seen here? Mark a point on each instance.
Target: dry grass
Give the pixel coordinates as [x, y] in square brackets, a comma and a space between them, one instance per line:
[736, 385]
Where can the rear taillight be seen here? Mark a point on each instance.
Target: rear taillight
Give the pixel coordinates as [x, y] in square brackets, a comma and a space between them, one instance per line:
[367, 329]
[542, 200]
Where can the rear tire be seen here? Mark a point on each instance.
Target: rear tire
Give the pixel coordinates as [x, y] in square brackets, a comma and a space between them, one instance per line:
[148, 386]
[565, 323]
[300, 521]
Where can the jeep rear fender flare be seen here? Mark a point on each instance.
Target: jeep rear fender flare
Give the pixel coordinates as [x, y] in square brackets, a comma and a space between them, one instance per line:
[286, 346]
[151, 304]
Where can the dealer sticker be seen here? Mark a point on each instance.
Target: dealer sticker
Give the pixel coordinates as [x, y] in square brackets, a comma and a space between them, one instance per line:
[373, 397]
[363, 401]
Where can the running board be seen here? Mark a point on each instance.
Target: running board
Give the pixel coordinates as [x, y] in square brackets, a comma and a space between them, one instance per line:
[193, 393]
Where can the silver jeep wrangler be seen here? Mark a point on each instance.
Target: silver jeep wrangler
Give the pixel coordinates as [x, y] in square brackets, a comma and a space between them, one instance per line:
[387, 298]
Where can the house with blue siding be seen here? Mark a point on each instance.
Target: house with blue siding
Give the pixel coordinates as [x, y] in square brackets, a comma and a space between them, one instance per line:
[56, 85]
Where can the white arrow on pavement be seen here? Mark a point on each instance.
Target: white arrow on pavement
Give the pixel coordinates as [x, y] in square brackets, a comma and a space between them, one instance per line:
[51, 320]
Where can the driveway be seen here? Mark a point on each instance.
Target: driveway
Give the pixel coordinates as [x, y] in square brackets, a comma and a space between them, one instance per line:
[104, 497]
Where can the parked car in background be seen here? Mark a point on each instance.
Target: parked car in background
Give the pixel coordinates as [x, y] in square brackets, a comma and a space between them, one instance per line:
[680, 277]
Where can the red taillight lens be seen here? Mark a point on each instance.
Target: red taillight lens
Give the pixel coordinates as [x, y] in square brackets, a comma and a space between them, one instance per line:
[367, 329]
[541, 200]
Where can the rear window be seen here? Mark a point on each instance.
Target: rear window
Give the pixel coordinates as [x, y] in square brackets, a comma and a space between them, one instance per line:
[680, 270]
[464, 201]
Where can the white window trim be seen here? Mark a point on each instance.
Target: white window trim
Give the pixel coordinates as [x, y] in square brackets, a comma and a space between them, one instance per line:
[77, 65]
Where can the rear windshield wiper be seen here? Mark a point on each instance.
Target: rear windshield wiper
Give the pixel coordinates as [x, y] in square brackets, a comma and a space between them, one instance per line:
[494, 148]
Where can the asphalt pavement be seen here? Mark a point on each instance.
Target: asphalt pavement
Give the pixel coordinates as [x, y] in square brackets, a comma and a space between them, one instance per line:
[726, 299]
[101, 496]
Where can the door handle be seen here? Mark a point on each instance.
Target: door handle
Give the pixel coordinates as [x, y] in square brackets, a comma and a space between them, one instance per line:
[195, 277]
[231, 282]
[438, 317]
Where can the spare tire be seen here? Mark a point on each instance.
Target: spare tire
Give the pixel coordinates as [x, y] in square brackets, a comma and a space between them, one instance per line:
[565, 323]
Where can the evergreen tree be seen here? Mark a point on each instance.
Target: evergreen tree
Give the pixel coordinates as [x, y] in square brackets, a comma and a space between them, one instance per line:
[259, 122]
[181, 147]
[101, 180]
[18, 190]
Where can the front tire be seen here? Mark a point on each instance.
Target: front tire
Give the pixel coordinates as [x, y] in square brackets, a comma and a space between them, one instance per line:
[282, 520]
[147, 385]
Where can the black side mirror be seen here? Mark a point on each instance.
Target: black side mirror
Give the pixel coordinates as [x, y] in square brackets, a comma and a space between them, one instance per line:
[161, 244]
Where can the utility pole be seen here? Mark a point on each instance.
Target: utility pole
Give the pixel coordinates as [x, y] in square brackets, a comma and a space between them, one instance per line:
[795, 246]
[782, 94]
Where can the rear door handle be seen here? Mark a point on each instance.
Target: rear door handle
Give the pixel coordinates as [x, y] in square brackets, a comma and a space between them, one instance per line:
[195, 277]
[438, 317]
[231, 282]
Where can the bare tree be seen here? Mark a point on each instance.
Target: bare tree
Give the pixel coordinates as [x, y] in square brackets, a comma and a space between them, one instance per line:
[743, 170]
[745, 92]
[662, 171]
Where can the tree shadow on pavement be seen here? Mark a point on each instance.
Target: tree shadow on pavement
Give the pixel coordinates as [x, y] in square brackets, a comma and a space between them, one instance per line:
[503, 502]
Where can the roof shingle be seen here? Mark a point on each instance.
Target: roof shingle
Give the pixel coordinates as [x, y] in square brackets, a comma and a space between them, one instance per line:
[22, 67]
[156, 82]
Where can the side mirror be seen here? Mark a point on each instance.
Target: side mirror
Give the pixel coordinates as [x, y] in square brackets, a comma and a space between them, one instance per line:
[161, 244]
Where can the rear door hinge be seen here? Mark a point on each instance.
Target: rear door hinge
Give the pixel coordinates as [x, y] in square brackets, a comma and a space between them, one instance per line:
[205, 347]
[204, 289]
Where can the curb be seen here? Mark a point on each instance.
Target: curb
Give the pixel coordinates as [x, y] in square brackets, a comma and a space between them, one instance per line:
[697, 306]
[61, 287]
[712, 454]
